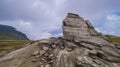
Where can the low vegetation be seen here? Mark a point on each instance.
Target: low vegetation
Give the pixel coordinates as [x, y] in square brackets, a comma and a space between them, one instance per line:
[6, 45]
[11, 39]
[113, 39]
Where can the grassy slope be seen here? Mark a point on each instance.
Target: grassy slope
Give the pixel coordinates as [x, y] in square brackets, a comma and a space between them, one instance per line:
[113, 39]
[11, 39]
[6, 45]
[11, 44]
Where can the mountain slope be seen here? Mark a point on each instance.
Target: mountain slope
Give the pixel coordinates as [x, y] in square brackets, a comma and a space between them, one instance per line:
[113, 39]
[10, 33]
[80, 46]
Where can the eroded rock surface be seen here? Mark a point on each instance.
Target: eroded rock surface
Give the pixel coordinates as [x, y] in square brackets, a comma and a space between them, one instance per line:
[80, 46]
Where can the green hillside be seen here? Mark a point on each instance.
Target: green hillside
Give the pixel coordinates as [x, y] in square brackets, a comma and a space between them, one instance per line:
[11, 44]
[11, 39]
[10, 33]
[113, 39]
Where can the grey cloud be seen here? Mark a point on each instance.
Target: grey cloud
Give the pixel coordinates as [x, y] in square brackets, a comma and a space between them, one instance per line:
[39, 17]
[23, 9]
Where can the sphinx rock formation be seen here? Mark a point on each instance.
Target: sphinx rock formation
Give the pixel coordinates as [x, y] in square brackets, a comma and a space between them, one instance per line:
[80, 46]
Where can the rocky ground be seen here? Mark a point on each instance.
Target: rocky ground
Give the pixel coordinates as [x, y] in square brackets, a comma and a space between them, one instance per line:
[80, 46]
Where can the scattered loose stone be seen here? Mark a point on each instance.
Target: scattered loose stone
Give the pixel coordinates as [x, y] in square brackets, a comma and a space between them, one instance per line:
[80, 46]
[34, 60]
[51, 55]
[47, 65]
[53, 46]
[35, 53]
[50, 62]
[45, 48]
[69, 49]
[46, 54]
[42, 52]
[37, 56]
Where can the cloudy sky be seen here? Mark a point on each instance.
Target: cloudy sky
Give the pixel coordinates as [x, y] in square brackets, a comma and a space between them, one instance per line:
[43, 18]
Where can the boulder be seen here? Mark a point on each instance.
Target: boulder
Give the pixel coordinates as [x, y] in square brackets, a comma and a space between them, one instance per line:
[80, 46]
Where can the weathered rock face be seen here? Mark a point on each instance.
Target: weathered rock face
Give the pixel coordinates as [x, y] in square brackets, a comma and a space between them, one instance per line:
[81, 46]
[76, 28]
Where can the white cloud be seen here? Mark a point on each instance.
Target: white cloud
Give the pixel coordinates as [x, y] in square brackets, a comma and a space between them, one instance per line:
[113, 17]
[40, 17]
[111, 25]
[22, 23]
[58, 3]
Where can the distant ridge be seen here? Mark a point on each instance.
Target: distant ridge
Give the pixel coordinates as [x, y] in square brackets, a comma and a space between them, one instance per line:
[10, 33]
[80, 46]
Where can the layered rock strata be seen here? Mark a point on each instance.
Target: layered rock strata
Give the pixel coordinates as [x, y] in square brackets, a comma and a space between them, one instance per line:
[80, 46]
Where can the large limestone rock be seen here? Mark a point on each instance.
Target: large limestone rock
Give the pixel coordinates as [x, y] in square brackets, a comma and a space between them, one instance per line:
[80, 46]
[76, 28]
